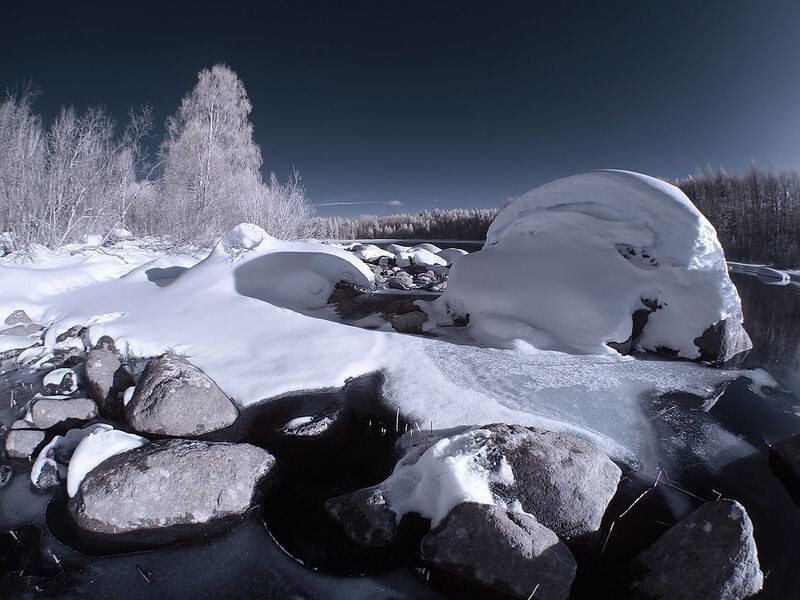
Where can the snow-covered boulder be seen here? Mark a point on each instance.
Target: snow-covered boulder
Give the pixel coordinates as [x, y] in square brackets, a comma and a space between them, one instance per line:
[173, 397]
[503, 550]
[451, 255]
[371, 253]
[105, 380]
[47, 412]
[168, 484]
[564, 482]
[98, 445]
[293, 274]
[419, 257]
[428, 248]
[61, 381]
[711, 554]
[566, 265]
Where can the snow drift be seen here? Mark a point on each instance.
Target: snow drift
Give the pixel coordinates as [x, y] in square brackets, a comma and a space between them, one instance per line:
[566, 266]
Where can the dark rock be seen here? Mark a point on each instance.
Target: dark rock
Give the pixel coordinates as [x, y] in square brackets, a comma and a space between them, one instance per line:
[509, 552]
[23, 443]
[709, 555]
[6, 475]
[106, 342]
[409, 322]
[788, 451]
[106, 380]
[724, 343]
[73, 332]
[18, 317]
[50, 412]
[169, 484]
[47, 476]
[173, 397]
[401, 281]
[401, 306]
[365, 516]
[66, 357]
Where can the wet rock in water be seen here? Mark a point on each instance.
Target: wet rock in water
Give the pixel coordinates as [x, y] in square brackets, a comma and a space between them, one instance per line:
[49, 412]
[365, 516]
[564, 482]
[173, 397]
[401, 281]
[60, 381]
[6, 475]
[106, 379]
[312, 426]
[711, 554]
[169, 484]
[507, 551]
[724, 343]
[788, 451]
[23, 443]
[18, 317]
[409, 323]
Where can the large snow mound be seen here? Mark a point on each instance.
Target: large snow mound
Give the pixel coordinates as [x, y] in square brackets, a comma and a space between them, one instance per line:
[296, 274]
[566, 265]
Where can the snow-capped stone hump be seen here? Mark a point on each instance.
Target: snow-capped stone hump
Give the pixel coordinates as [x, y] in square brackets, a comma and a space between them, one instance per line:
[566, 266]
[242, 238]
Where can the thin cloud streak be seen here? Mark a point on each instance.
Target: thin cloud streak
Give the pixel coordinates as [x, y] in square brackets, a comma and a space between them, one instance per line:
[383, 202]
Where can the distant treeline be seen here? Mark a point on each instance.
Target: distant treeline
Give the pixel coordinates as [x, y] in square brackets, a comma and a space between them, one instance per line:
[756, 215]
[453, 224]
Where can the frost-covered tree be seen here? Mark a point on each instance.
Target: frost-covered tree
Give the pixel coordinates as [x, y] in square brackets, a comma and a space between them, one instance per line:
[211, 165]
[73, 178]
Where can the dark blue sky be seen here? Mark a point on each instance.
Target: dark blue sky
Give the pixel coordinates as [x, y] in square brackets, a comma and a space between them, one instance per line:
[442, 104]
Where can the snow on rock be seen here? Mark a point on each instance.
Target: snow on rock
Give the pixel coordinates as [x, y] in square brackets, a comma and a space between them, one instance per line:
[93, 449]
[565, 483]
[428, 247]
[565, 266]
[297, 275]
[371, 253]
[51, 464]
[419, 256]
[451, 255]
[61, 381]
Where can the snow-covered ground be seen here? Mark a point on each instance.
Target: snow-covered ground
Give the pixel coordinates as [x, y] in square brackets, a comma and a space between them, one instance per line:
[253, 316]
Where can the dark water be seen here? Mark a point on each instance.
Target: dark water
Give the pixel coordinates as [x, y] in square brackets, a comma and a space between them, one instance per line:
[772, 318]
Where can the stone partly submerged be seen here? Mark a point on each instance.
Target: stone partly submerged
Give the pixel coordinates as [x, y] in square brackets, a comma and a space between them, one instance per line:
[709, 555]
[169, 489]
[503, 550]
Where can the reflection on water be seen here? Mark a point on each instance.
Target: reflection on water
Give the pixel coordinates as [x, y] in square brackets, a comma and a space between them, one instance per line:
[772, 318]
